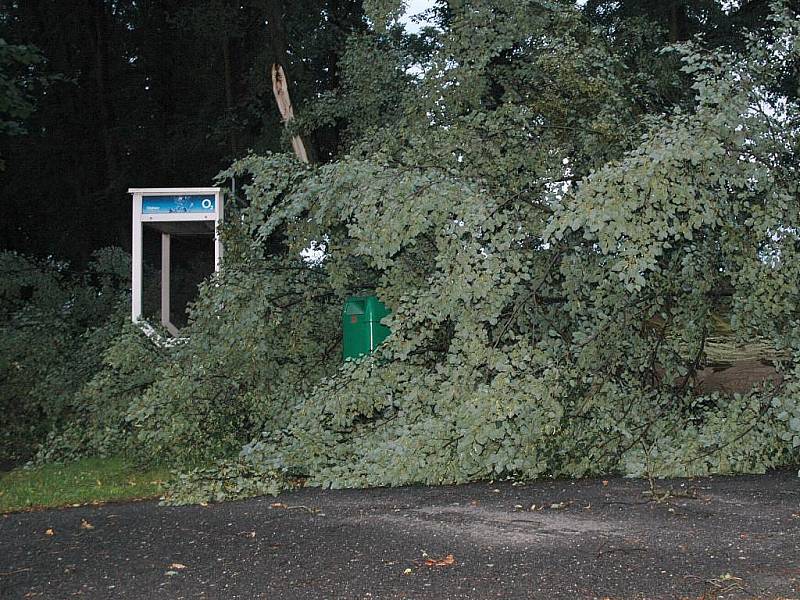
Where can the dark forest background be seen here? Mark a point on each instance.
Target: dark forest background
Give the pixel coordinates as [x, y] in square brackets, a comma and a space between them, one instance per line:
[152, 93]
[146, 93]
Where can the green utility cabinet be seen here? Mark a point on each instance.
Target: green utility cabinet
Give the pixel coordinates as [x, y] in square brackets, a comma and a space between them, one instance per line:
[361, 325]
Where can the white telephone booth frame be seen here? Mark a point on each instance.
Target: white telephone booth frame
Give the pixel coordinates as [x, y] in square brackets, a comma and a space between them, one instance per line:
[199, 220]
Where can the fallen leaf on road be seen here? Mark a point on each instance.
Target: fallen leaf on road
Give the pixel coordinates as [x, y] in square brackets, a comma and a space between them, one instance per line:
[558, 505]
[86, 525]
[407, 572]
[441, 562]
[605, 482]
[50, 532]
[177, 566]
[277, 505]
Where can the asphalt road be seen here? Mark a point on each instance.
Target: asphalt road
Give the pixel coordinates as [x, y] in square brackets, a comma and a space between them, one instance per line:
[713, 538]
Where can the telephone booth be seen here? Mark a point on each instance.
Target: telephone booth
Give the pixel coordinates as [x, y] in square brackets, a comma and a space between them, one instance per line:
[173, 212]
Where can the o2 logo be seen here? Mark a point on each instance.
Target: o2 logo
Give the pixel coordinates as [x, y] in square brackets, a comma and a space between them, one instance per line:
[207, 203]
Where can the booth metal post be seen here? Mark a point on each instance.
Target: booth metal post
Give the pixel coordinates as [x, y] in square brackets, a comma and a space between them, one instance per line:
[217, 240]
[166, 265]
[136, 259]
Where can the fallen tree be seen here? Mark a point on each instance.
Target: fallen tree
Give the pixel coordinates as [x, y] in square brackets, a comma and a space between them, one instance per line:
[557, 250]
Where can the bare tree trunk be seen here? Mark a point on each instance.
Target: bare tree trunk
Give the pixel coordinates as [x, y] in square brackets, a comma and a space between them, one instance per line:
[677, 22]
[102, 80]
[230, 100]
[280, 84]
[281, 91]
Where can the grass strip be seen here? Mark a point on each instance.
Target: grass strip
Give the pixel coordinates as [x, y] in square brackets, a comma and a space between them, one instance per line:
[82, 482]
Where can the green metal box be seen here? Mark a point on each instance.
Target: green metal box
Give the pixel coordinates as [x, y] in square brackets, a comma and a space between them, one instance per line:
[362, 331]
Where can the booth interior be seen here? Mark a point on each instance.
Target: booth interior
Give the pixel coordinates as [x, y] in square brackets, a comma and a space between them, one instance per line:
[191, 262]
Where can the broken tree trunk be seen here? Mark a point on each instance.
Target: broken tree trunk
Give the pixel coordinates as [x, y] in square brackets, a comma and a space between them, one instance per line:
[279, 43]
[280, 88]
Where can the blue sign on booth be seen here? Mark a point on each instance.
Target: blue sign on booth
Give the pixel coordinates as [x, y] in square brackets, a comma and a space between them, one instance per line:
[194, 203]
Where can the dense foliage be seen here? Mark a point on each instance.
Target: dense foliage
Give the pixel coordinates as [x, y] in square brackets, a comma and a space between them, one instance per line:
[556, 258]
[558, 233]
[55, 325]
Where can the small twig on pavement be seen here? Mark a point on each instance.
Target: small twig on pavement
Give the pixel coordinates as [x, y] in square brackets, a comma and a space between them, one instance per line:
[3, 574]
[309, 509]
[661, 494]
[722, 585]
[313, 511]
[623, 550]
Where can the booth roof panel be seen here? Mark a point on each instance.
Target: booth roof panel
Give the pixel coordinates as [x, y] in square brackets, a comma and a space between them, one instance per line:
[179, 190]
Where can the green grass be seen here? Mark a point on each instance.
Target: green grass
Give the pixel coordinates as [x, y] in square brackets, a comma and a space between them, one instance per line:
[82, 482]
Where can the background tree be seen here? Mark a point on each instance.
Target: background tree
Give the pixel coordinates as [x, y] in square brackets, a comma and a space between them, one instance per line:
[16, 103]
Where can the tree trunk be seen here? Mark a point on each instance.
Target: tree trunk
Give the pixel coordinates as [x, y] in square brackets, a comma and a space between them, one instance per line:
[280, 84]
[677, 22]
[230, 100]
[102, 81]
[280, 89]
